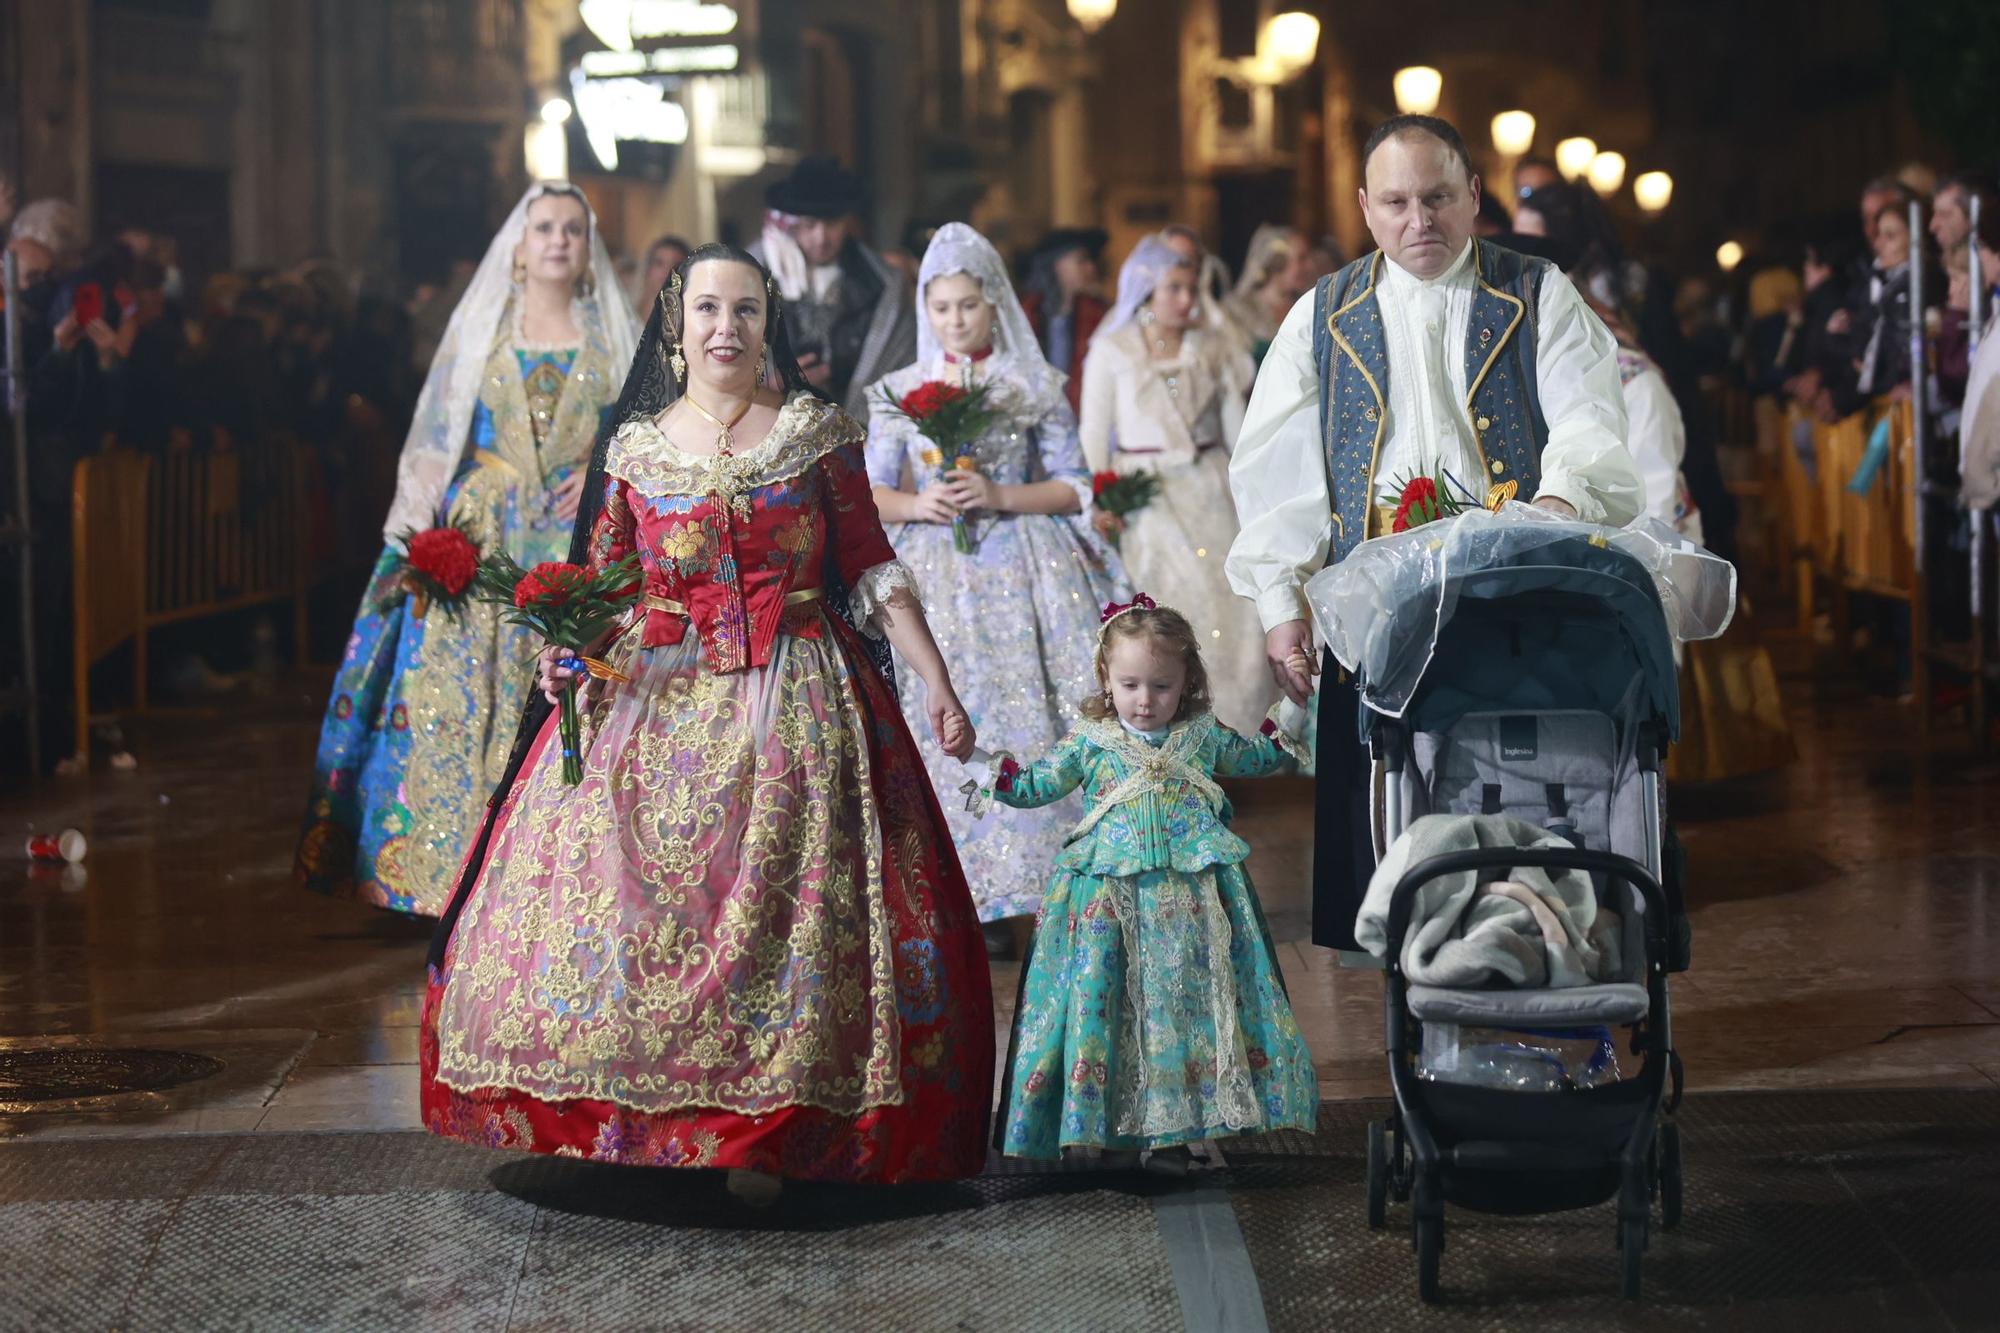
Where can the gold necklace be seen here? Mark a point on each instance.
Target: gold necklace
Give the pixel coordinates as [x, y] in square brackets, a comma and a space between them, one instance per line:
[724, 440]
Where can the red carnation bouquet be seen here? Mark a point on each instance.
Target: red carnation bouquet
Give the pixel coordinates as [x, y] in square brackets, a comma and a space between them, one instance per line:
[1422, 500]
[571, 608]
[439, 566]
[953, 417]
[1122, 493]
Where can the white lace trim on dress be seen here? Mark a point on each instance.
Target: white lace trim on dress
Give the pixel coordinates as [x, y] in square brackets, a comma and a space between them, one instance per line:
[873, 589]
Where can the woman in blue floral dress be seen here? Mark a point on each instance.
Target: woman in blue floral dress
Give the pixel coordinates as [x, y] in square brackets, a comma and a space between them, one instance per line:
[1017, 612]
[423, 710]
[1153, 1016]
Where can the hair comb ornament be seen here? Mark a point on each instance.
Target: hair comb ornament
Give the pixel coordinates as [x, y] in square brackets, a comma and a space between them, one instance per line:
[1113, 610]
[670, 318]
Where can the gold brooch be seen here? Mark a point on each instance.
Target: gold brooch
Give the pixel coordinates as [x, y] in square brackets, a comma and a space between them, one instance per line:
[1501, 493]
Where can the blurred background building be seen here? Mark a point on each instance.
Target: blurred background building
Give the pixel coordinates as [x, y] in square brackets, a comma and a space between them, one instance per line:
[390, 134]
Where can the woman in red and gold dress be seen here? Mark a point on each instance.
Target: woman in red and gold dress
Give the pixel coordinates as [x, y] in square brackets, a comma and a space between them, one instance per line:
[744, 940]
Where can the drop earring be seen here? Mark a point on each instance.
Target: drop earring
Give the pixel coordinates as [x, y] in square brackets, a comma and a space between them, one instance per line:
[762, 371]
[679, 364]
[520, 270]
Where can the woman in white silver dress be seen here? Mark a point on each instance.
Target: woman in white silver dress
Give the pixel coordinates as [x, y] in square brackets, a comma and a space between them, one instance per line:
[1162, 394]
[1018, 613]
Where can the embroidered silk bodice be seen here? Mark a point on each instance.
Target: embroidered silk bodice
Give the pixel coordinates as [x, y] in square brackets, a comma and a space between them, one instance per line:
[736, 548]
[543, 374]
[1153, 805]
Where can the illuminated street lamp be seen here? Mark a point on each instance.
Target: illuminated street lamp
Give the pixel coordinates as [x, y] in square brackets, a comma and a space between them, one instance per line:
[1606, 173]
[1728, 255]
[1513, 133]
[1573, 156]
[1418, 88]
[547, 150]
[1653, 190]
[1291, 40]
[1092, 14]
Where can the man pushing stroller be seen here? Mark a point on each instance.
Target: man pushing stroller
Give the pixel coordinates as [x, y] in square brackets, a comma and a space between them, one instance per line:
[1438, 357]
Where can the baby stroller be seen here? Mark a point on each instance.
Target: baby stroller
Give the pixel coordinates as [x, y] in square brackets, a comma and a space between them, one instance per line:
[1514, 663]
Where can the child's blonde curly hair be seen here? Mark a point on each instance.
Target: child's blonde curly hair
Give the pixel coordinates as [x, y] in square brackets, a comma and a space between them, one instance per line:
[1167, 630]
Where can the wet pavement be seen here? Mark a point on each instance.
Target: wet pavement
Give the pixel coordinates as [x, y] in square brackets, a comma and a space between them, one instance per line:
[1846, 917]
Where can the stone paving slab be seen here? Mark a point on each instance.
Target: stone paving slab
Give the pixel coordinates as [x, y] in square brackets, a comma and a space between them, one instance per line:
[1805, 1210]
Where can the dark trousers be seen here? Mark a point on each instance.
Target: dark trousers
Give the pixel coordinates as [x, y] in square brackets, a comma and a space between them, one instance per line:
[1343, 846]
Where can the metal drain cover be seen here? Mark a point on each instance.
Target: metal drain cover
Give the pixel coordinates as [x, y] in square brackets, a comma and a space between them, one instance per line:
[63, 1073]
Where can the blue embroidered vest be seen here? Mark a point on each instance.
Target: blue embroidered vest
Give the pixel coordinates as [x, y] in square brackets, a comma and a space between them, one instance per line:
[1501, 404]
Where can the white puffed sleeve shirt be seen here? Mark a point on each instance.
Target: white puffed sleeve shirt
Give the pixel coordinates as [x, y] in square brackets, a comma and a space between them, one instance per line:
[1278, 471]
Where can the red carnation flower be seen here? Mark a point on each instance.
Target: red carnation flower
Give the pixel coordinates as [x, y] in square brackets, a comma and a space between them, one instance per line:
[550, 581]
[927, 399]
[446, 556]
[1420, 495]
[1099, 481]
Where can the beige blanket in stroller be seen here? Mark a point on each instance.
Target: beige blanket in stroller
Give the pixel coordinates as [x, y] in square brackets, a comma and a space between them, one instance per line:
[1532, 928]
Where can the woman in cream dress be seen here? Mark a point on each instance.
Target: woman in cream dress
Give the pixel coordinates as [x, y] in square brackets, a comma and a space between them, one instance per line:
[1162, 394]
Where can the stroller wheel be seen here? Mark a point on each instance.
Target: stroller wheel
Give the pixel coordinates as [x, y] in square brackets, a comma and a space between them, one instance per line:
[1670, 1177]
[1430, 1249]
[1632, 1247]
[1378, 1175]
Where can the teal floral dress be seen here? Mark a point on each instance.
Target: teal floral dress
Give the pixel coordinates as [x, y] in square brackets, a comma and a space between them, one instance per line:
[1153, 1012]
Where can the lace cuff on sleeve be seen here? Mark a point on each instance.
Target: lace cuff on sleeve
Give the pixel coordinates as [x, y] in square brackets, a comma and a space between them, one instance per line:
[872, 590]
[1285, 727]
[1086, 494]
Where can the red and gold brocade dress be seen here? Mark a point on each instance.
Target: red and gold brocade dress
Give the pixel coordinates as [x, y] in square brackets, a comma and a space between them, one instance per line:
[744, 940]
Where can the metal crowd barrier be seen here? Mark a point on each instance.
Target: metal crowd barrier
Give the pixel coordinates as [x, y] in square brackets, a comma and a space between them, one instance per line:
[183, 536]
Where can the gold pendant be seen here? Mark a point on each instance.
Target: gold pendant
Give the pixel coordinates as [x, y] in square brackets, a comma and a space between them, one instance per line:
[1501, 493]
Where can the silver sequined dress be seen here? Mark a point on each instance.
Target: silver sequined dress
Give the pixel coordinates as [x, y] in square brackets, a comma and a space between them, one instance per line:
[1016, 619]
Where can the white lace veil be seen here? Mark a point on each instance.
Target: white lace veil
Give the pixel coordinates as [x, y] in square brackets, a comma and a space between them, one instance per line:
[438, 432]
[1150, 260]
[957, 248]
[1269, 244]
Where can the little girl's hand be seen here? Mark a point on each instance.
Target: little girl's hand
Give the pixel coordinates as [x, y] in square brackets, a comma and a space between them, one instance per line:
[952, 728]
[933, 504]
[969, 490]
[1108, 524]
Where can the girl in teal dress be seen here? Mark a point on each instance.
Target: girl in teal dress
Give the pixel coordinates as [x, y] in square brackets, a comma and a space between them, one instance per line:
[1153, 1016]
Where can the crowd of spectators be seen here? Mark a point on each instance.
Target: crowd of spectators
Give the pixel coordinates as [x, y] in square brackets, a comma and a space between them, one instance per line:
[1834, 331]
[120, 347]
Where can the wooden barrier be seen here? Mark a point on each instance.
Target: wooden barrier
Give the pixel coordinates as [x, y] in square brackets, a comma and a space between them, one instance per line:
[1858, 543]
[182, 536]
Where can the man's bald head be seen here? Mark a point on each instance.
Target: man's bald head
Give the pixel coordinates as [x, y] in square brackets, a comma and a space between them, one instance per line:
[1419, 195]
